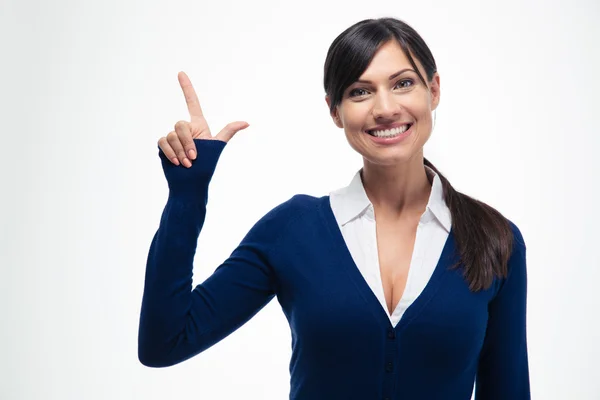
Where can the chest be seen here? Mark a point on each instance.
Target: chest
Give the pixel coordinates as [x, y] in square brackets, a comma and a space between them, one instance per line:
[395, 245]
[325, 298]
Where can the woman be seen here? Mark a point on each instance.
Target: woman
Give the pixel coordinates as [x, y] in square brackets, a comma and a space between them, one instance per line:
[395, 287]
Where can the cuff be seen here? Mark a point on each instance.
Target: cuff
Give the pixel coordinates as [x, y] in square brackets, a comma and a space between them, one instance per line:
[193, 180]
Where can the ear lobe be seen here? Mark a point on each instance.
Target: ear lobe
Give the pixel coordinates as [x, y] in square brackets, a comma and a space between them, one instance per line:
[435, 91]
[336, 119]
[435, 101]
[334, 114]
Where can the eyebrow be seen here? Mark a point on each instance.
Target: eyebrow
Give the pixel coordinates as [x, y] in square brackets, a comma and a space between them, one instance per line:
[391, 76]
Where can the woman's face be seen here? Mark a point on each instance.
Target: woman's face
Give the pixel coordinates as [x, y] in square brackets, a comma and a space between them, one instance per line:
[382, 99]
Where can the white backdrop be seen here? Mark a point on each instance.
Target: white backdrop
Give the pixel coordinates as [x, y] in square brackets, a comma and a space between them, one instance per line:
[87, 88]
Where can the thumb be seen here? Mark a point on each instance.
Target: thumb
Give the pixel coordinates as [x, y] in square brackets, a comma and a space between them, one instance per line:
[231, 129]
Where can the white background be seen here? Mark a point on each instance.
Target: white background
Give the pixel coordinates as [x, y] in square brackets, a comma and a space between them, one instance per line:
[87, 88]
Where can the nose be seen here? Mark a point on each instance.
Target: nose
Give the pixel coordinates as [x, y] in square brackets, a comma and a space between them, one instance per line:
[386, 106]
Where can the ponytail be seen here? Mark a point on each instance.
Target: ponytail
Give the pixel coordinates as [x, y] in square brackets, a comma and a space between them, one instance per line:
[483, 236]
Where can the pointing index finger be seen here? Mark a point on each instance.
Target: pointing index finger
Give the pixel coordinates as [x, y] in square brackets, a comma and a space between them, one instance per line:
[190, 95]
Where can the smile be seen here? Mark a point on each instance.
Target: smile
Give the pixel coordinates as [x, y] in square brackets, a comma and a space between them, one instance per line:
[388, 133]
[390, 136]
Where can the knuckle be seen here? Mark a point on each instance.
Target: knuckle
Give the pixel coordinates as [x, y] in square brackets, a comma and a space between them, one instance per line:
[180, 124]
[171, 136]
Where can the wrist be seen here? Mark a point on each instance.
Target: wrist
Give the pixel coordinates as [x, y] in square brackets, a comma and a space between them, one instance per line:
[195, 179]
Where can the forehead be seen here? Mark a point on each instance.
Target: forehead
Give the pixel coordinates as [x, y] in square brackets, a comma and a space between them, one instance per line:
[388, 59]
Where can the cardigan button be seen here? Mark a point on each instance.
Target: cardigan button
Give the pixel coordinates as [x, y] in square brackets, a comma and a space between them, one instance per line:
[389, 367]
[391, 334]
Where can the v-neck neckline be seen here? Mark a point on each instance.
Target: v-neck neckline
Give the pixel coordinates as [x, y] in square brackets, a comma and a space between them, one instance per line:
[447, 258]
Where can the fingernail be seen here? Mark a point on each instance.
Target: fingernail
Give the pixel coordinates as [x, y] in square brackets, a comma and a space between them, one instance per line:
[192, 154]
[187, 162]
[175, 161]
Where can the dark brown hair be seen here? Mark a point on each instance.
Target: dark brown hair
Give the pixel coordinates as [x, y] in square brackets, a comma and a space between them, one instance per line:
[483, 236]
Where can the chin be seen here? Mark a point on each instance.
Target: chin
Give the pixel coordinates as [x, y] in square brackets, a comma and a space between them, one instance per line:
[387, 157]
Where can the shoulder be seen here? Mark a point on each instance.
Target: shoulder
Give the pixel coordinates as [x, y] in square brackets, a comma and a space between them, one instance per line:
[299, 207]
[517, 264]
[518, 240]
[294, 217]
[512, 289]
[303, 203]
[300, 203]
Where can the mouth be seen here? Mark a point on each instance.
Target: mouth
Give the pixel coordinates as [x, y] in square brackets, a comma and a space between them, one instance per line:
[389, 133]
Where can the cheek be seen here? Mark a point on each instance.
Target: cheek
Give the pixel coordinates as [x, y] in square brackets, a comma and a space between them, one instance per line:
[418, 106]
[355, 116]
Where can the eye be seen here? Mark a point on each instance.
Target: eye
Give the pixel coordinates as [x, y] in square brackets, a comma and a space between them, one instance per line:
[356, 92]
[410, 81]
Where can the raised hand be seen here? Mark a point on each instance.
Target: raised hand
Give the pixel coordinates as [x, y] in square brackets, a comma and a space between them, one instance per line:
[178, 145]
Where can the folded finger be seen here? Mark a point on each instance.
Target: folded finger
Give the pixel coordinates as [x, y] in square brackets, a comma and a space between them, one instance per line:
[173, 140]
[168, 150]
[185, 137]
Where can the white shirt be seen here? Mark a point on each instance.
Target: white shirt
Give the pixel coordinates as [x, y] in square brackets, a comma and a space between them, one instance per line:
[356, 219]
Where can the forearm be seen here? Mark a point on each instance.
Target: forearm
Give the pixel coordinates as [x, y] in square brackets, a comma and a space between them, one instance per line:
[165, 336]
[167, 294]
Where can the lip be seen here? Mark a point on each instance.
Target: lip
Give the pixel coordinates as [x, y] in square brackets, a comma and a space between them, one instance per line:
[393, 140]
[388, 126]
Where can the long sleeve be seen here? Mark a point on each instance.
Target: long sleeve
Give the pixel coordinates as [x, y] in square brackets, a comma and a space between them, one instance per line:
[503, 371]
[176, 321]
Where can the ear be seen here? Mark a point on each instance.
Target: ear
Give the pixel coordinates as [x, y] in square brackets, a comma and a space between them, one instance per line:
[434, 87]
[334, 115]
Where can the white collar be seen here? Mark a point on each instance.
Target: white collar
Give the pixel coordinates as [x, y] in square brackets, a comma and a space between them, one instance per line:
[352, 201]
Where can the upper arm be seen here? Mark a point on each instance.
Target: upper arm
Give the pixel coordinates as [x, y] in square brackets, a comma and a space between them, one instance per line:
[503, 371]
[179, 322]
[240, 287]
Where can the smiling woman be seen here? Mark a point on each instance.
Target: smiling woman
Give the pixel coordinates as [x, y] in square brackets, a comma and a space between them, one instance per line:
[362, 98]
[395, 287]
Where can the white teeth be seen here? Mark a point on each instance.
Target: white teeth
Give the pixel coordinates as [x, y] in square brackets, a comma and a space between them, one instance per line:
[390, 132]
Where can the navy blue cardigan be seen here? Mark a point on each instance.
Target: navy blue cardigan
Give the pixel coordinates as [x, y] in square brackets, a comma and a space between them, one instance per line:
[344, 346]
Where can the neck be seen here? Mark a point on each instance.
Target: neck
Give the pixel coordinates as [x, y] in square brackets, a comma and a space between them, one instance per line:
[397, 191]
